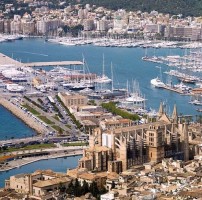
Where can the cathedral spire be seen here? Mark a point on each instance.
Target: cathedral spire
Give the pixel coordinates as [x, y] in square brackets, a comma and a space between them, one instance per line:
[175, 114]
[161, 110]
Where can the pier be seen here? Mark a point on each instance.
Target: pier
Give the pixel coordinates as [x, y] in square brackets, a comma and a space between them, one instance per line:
[6, 61]
[56, 63]
[10, 62]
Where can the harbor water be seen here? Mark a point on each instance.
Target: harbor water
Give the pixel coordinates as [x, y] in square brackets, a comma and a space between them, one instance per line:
[12, 127]
[57, 165]
[127, 66]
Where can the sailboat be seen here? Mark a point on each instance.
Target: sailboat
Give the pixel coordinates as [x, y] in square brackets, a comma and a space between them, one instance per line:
[84, 83]
[103, 78]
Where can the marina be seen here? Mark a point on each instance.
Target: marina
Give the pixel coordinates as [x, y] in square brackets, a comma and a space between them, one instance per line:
[120, 77]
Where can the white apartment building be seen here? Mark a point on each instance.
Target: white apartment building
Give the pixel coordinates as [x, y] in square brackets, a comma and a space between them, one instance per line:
[88, 25]
[1, 26]
[16, 27]
[28, 27]
[45, 25]
[102, 25]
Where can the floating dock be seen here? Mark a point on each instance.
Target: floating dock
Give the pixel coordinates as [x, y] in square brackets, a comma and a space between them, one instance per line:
[6, 61]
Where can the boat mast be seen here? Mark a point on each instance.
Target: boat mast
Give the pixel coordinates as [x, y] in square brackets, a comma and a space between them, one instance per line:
[112, 77]
[84, 69]
[103, 66]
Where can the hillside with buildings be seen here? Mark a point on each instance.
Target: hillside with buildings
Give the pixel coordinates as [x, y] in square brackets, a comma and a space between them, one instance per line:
[175, 7]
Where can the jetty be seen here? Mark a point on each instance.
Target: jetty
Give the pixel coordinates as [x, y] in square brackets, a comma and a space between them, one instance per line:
[6, 61]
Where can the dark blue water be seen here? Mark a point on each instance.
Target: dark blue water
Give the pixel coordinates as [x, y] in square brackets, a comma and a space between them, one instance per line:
[57, 165]
[127, 66]
[10, 126]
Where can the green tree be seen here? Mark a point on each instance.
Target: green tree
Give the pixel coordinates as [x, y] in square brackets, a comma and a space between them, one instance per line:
[85, 188]
[60, 131]
[113, 185]
[61, 187]
[70, 188]
[77, 188]
[94, 189]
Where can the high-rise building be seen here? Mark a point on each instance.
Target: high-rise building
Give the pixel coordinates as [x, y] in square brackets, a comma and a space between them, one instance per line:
[7, 26]
[102, 25]
[28, 27]
[16, 27]
[1, 26]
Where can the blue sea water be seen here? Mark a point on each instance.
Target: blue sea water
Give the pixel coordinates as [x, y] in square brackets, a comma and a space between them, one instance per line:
[12, 127]
[57, 165]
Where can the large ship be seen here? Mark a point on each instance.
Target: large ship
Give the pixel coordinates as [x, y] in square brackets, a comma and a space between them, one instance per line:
[156, 82]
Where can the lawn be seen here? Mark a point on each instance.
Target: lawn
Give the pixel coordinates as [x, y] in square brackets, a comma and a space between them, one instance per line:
[68, 126]
[75, 144]
[56, 117]
[46, 120]
[57, 128]
[30, 109]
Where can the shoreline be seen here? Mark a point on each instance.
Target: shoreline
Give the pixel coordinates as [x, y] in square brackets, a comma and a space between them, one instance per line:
[30, 122]
[27, 161]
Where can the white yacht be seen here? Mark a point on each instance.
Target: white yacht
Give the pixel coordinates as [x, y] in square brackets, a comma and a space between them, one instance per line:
[103, 78]
[156, 82]
[15, 88]
[134, 100]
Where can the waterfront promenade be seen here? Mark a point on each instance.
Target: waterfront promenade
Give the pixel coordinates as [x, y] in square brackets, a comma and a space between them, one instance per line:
[9, 62]
[58, 152]
[25, 117]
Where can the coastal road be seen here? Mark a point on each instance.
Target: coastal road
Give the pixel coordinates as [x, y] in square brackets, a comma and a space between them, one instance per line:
[32, 139]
